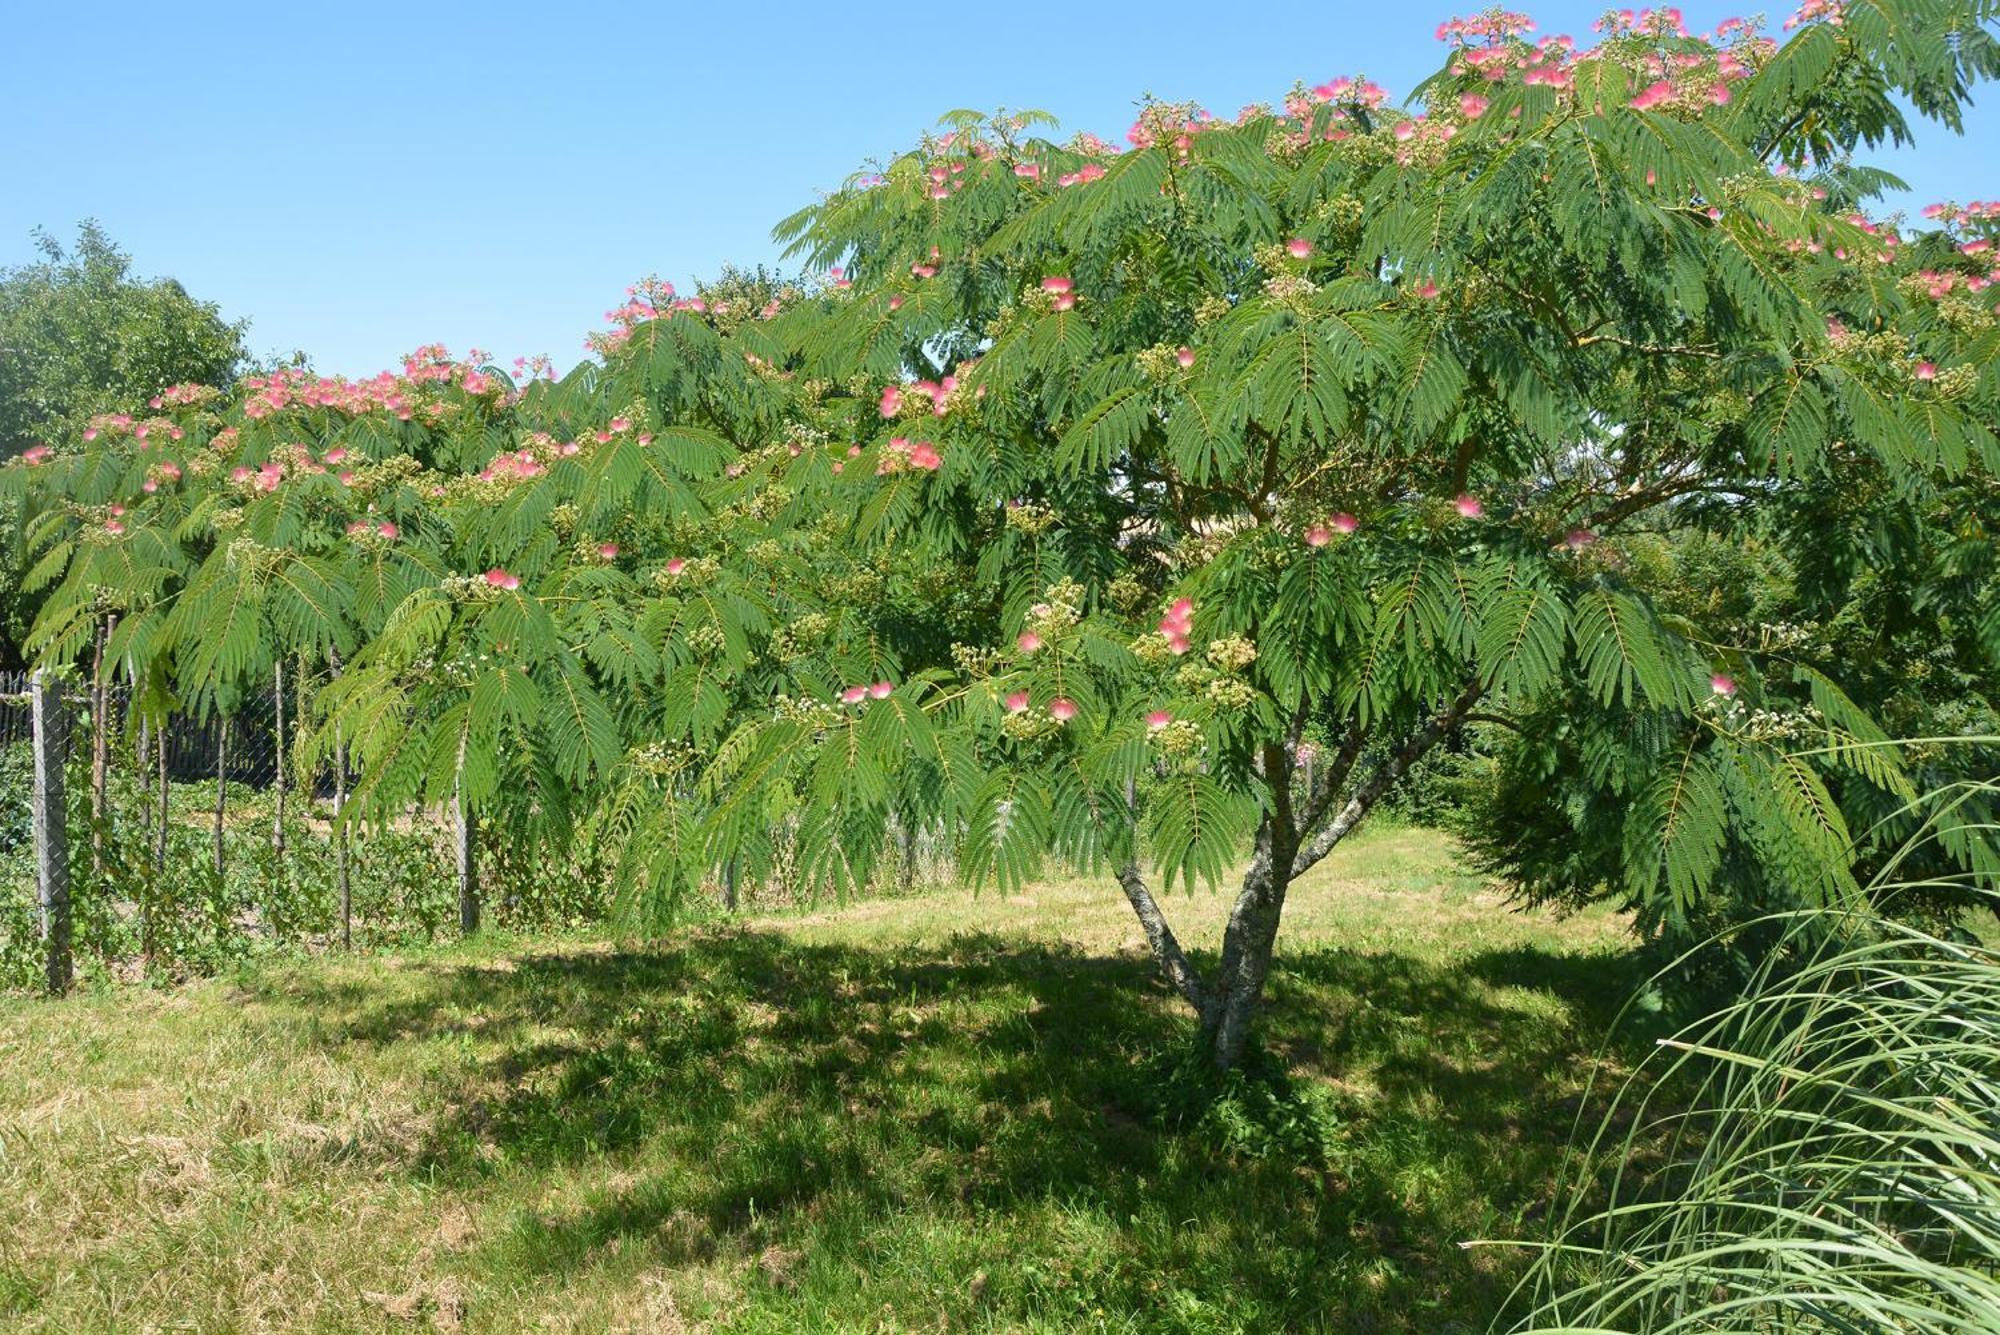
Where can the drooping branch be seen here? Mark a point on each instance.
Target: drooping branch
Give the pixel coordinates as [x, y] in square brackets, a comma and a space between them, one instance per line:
[1365, 797]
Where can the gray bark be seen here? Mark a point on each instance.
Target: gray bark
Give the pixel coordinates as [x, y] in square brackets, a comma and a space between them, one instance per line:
[51, 832]
[1289, 842]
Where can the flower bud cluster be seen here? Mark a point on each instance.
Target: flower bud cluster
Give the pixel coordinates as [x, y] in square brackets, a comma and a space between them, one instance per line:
[1030, 517]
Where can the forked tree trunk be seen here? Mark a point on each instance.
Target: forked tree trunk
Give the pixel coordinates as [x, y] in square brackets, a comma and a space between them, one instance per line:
[1290, 840]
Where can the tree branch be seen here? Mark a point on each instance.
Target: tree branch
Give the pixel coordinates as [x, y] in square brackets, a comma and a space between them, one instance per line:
[1370, 792]
[1167, 952]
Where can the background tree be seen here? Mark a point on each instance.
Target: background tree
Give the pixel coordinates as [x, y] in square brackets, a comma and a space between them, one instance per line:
[80, 334]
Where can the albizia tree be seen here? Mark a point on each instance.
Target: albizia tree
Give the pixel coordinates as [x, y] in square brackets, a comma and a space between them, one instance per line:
[1135, 509]
[1284, 447]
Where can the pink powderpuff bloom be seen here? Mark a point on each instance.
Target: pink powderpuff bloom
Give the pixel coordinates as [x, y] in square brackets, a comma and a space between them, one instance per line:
[90, 434]
[607, 551]
[113, 527]
[1185, 357]
[338, 454]
[1345, 522]
[1428, 291]
[1926, 370]
[1468, 506]
[388, 531]
[892, 400]
[149, 486]
[1062, 709]
[1318, 535]
[1017, 702]
[1472, 106]
[854, 695]
[895, 303]
[239, 475]
[1298, 248]
[881, 690]
[34, 454]
[1722, 684]
[1158, 719]
[1065, 301]
[500, 579]
[1057, 283]
[1579, 538]
[675, 566]
[1027, 642]
[1179, 644]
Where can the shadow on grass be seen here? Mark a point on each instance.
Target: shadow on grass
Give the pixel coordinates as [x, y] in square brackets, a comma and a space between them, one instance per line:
[968, 1134]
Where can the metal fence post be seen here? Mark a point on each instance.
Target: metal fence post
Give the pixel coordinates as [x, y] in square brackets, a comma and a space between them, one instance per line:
[51, 832]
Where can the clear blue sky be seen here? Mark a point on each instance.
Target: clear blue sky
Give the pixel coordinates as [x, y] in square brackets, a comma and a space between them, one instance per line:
[361, 179]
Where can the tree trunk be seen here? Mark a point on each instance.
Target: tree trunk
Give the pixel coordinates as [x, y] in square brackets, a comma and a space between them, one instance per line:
[729, 886]
[1289, 842]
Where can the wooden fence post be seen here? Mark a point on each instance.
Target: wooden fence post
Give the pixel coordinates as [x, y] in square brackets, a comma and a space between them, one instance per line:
[468, 868]
[51, 829]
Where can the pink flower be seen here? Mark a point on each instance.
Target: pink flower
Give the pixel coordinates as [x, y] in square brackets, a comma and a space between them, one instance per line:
[892, 401]
[1182, 609]
[1017, 702]
[1318, 535]
[854, 695]
[1158, 719]
[388, 530]
[1428, 290]
[500, 579]
[34, 454]
[1185, 357]
[1178, 643]
[881, 690]
[1065, 301]
[1468, 505]
[1926, 370]
[1345, 522]
[1057, 283]
[607, 551]
[113, 527]
[895, 303]
[1722, 684]
[1653, 96]
[337, 454]
[1579, 538]
[1062, 709]
[1298, 248]
[675, 566]
[1027, 642]
[1472, 106]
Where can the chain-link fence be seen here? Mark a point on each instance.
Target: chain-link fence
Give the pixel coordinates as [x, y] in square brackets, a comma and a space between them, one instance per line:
[190, 840]
[186, 841]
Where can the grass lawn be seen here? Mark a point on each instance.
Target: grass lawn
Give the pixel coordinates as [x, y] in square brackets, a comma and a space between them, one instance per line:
[911, 1114]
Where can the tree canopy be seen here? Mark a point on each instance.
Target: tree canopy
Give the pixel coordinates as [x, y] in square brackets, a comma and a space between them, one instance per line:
[1134, 508]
